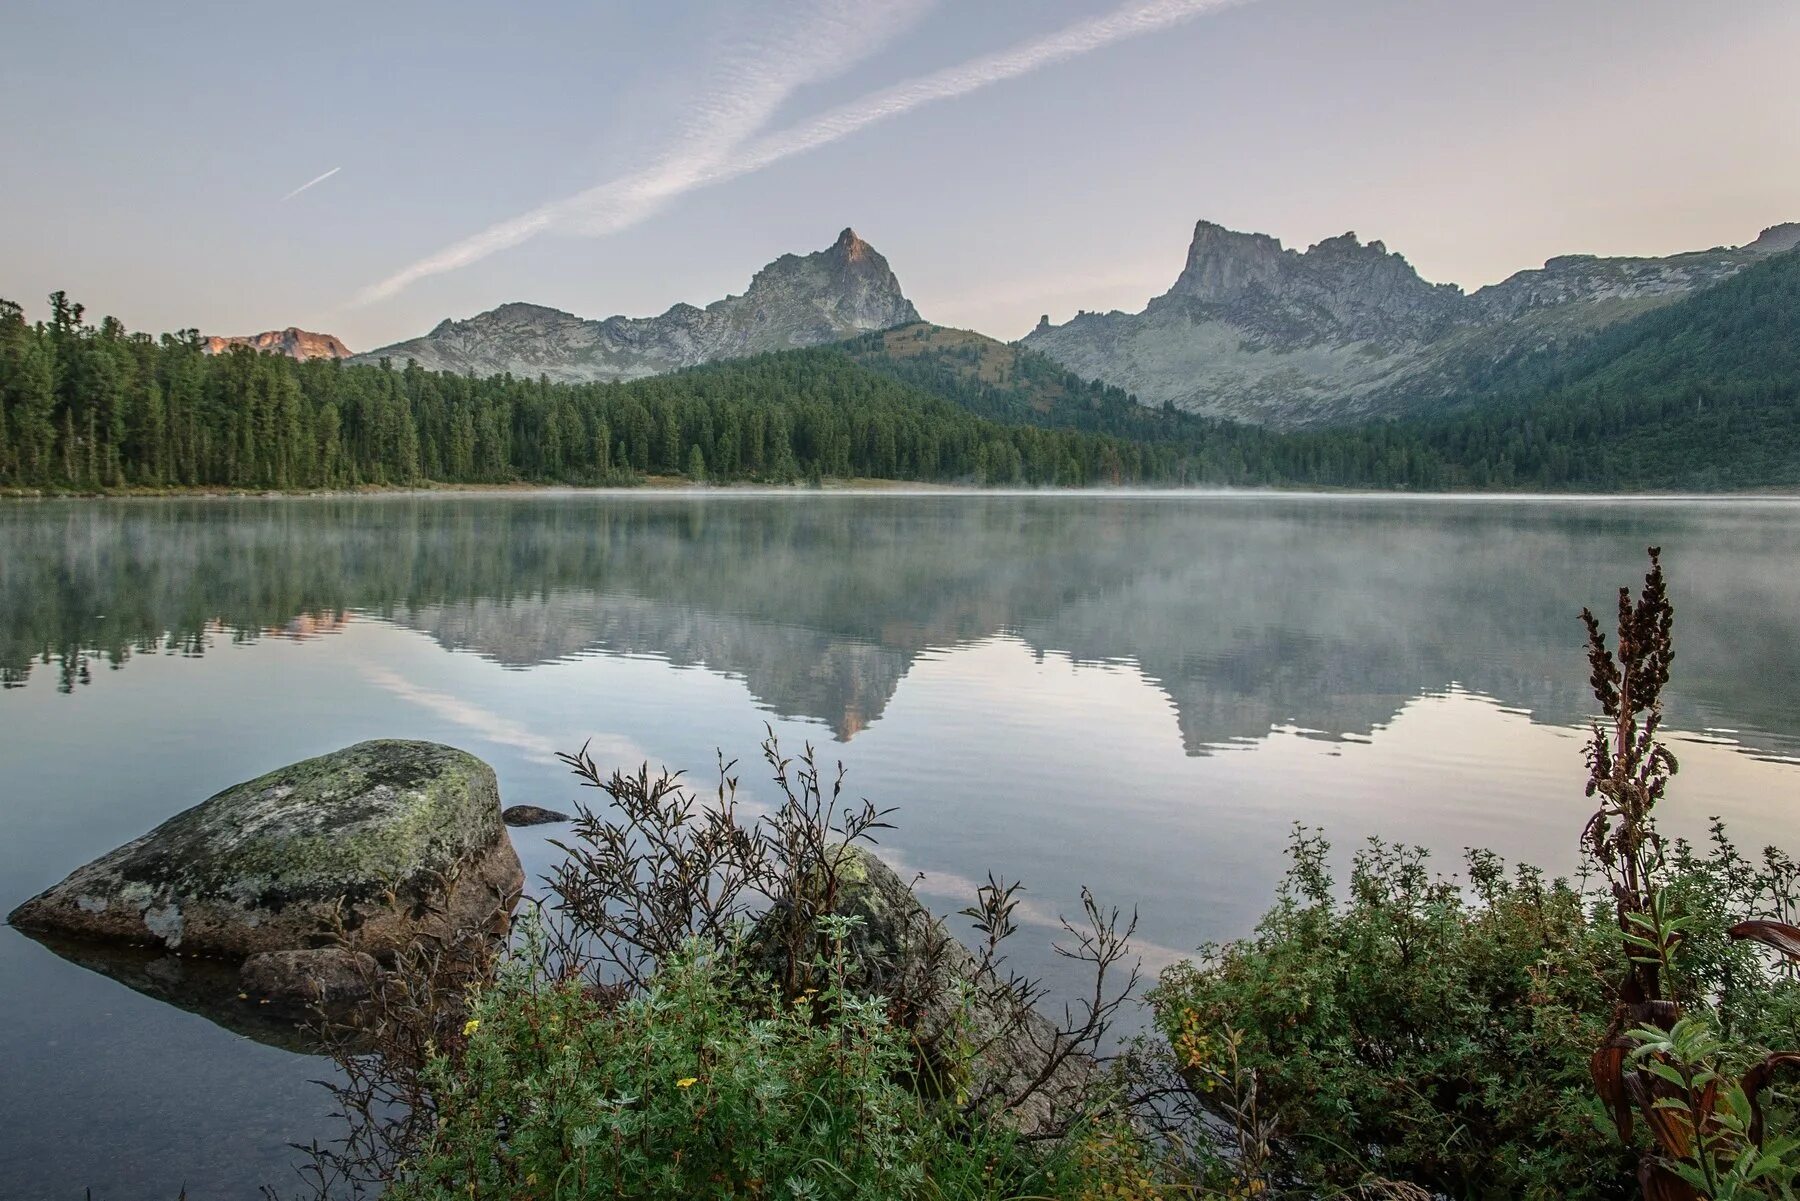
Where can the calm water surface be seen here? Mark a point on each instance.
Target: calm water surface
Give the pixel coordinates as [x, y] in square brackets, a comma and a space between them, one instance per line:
[1142, 694]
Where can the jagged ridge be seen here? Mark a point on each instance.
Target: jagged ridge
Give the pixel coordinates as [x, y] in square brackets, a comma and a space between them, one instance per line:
[795, 301]
[1348, 330]
[294, 343]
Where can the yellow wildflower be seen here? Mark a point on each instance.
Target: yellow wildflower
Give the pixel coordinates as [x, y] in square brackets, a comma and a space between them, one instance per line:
[471, 1026]
[687, 1082]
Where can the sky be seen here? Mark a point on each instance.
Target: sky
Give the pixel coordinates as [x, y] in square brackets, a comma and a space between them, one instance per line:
[369, 169]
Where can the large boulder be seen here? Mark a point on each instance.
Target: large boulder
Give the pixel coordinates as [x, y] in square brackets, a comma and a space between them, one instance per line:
[366, 848]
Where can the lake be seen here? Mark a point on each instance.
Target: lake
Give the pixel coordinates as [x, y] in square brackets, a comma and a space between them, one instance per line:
[1139, 693]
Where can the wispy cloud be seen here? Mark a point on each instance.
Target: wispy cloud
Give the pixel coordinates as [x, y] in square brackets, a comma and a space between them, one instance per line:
[748, 87]
[1083, 37]
[309, 183]
[717, 148]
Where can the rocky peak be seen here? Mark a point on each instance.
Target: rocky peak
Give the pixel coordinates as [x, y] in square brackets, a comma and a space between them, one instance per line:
[797, 300]
[1255, 331]
[851, 247]
[1777, 239]
[518, 310]
[848, 286]
[292, 342]
[1223, 265]
[1340, 289]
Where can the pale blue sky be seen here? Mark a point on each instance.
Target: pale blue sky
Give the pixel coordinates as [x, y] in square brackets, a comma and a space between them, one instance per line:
[148, 147]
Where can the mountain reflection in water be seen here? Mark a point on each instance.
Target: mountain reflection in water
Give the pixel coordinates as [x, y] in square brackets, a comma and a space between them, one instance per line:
[1252, 613]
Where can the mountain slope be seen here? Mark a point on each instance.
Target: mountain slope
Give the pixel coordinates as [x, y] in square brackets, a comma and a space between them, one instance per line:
[1348, 330]
[1701, 394]
[795, 301]
[1009, 383]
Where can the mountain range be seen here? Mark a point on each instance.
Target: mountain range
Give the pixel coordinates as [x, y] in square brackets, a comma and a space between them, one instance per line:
[795, 301]
[1348, 330]
[1343, 332]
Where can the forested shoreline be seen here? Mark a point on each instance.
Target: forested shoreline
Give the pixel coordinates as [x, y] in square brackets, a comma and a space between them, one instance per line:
[1702, 395]
[89, 408]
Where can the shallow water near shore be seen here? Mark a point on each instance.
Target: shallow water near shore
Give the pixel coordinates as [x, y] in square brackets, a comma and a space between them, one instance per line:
[1139, 693]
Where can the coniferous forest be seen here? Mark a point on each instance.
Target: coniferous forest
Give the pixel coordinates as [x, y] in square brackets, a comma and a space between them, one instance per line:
[93, 407]
[1703, 394]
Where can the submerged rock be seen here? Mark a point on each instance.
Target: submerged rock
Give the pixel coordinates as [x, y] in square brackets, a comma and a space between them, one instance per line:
[207, 987]
[325, 976]
[532, 815]
[367, 848]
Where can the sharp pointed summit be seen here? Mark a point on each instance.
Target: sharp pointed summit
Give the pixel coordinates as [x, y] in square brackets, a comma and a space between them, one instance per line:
[795, 301]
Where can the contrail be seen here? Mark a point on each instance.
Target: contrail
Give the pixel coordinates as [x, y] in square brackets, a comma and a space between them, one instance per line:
[1081, 38]
[621, 203]
[752, 84]
[309, 183]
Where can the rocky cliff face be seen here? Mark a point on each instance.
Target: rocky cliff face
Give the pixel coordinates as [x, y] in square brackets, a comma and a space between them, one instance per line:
[795, 301]
[294, 343]
[1348, 330]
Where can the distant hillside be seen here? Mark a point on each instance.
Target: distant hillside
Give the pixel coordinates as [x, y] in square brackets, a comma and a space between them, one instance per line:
[795, 301]
[1011, 384]
[294, 343]
[1701, 394]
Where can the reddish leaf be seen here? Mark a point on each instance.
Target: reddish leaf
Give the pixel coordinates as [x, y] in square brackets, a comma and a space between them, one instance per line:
[1660, 1014]
[1757, 1079]
[1671, 1127]
[1706, 1113]
[1780, 935]
[1607, 1066]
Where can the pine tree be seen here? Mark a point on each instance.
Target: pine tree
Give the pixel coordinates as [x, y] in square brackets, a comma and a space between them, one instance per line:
[30, 394]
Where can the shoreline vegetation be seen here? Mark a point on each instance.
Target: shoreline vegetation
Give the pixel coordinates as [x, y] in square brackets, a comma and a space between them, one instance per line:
[674, 485]
[716, 999]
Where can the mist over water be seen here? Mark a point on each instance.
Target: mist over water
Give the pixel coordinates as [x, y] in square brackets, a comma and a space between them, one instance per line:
[1138, 693]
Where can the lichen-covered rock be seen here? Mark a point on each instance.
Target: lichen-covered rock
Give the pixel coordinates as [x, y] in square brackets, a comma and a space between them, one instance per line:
[368, 847]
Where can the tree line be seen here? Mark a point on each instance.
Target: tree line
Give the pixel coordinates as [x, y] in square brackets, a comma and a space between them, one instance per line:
[98, 407]
[1703, 394]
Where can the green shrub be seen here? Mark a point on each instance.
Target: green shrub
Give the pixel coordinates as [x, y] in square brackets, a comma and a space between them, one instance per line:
[1411, 1032]
[1426, 1032]
[702, 1085]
